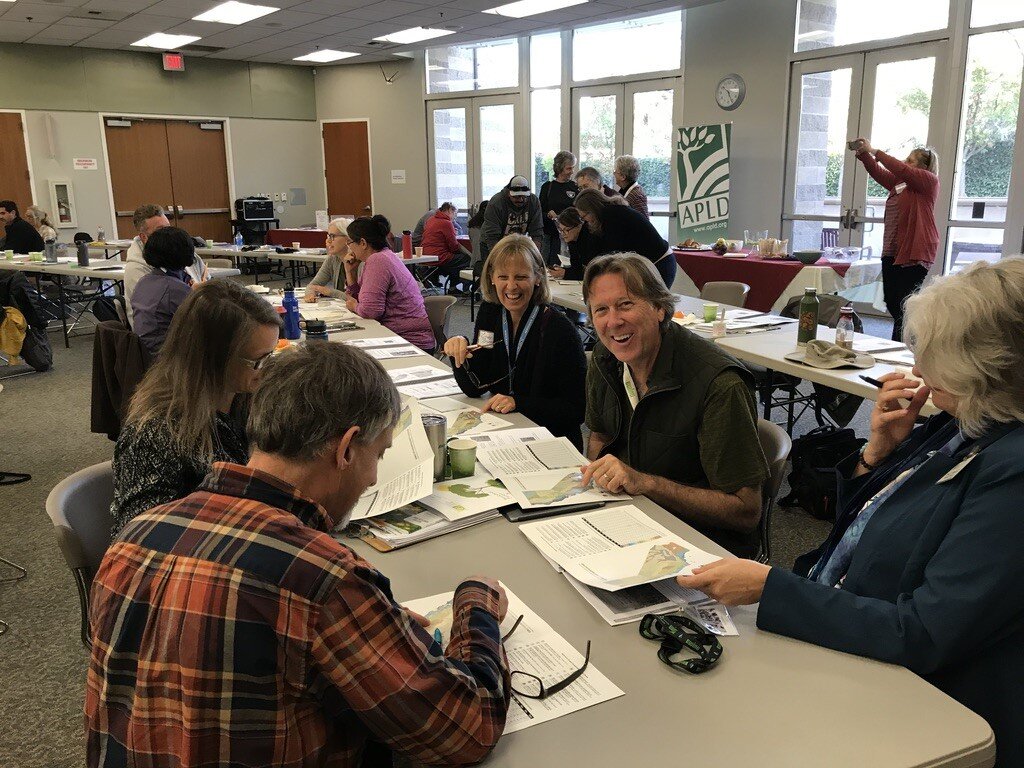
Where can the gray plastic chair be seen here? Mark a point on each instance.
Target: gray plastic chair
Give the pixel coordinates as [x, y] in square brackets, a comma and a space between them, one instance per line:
[79, 507]
[725, 292]
[437, 313]
[776, 445]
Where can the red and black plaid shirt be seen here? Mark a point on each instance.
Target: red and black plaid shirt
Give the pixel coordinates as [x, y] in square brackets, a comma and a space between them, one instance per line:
[229, 628]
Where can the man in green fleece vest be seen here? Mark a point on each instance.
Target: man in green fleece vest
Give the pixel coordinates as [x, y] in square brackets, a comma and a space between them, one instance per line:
[671, 416]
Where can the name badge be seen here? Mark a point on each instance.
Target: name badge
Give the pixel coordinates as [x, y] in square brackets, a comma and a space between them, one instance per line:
[899, 187]
[957, 469]
[485, 338]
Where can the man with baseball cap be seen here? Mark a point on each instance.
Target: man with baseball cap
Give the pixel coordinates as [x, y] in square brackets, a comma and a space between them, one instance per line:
[514, 209]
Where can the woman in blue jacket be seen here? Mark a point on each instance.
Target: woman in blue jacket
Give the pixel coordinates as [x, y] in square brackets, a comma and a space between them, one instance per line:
[923, 567]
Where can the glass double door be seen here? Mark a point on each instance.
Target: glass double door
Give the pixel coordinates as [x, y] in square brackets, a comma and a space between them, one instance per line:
[473, 145]
[629, 119]
[896, 98]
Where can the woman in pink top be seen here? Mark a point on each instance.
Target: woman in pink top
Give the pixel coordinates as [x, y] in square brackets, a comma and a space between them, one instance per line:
[387, 291]
[910, 237]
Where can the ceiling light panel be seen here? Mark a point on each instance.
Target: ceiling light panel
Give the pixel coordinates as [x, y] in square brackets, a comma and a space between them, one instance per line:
[325, 56]
[414, 35]
[165, 41]
[235, 13]
[523, 8]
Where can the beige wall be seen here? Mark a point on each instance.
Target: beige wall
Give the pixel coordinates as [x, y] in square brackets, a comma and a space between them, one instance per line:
[398, 131]
[753, 38]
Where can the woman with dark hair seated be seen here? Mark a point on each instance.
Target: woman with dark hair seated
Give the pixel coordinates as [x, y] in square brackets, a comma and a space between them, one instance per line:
[386, 291]
[535, 362]
[923, 567]
[178, 421]
[158, 295]
[582, 244]
[620, 229]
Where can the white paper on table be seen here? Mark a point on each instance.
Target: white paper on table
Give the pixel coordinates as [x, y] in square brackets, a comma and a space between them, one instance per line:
[443, 404]
[537, 649]
[394, 352]
[383, 341]
[626, 605]
[690, 319]
[906, 357]
[456, 499]
[740, 314]
[406, 471]
[510, 436]
[555, 488]
[326, 312]
[533, 456]
[418, 373]
[427, 389]
[614, 548]
[871, 344]
[471, 421]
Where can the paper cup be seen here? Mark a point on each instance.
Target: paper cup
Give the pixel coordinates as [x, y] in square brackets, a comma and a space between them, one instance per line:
[462, 457]
[710, 313]
[209, 243]
[296, 245]
[9, 254]
[419, 250]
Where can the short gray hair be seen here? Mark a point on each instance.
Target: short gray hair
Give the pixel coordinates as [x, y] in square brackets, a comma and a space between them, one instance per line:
[628, 166]
[967, 334]
[562, 159]
[640, 276]
[144, 213]
[341, 224]
[309, 396]
[506, 249]
[590, 173]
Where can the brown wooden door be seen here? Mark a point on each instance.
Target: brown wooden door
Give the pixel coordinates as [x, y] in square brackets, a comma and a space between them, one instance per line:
[347, 167]
[199, 177]
[140, 169]
[14, 180]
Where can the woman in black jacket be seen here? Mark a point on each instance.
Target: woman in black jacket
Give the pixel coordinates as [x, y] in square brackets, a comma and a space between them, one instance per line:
[525, 353]
[582, 245]
[620, 229]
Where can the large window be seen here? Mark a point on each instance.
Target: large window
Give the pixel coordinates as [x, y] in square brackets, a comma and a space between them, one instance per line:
[473, 67]
[829, 23]
[985, 12]
[545, 132]
[546, 60]
[650, 44]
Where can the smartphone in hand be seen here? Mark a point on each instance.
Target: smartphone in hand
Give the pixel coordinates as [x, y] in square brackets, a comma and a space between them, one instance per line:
[854, 144]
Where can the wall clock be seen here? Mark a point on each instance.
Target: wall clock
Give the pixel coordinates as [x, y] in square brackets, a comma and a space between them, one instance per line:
[730, 91]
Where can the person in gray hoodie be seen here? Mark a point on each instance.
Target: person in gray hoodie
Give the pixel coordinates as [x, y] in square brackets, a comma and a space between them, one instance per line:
[514, 209]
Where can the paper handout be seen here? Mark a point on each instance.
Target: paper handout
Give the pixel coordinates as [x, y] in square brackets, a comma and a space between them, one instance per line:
[534, 648]
[615, 548]
[406, 471]
[555, 488]
[468, 421]
[456, 499]
[417, 374]
[531, 456]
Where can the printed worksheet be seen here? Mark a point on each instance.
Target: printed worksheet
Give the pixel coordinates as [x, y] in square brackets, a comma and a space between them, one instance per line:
[406, 471]
[456, 499]
[417, 374]
[386, 341]
[532, 456]
[614, 548]
[468, 420]
[523, 435]
[534, 648]
[427, 389]
[555, 488]
[395, 352]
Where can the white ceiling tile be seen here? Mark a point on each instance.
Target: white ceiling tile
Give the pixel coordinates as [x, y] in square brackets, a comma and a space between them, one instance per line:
[37, 12]
[389, 9]
[144, 22]
[326, 7]
[117, 6]
[181, 9]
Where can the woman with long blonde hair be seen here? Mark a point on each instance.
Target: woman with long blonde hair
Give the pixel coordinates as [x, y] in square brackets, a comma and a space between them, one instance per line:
[179, 420]
[40, 219]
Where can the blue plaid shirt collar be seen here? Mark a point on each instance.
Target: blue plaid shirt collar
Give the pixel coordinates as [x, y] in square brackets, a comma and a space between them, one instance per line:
[252, 484]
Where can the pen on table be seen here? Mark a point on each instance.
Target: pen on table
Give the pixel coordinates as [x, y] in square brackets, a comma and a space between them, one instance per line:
[872, 382]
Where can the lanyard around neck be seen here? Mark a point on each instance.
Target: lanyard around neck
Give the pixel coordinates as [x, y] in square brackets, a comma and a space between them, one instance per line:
[524, 331]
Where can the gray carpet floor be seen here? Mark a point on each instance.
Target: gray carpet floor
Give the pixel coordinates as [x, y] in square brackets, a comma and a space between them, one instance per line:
[44, 430]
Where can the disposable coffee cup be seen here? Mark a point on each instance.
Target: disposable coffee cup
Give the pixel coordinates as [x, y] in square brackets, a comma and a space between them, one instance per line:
[296, 245]
[209, 243]
[462, 457]
[710, 313]
[419, 250]
[9, 254]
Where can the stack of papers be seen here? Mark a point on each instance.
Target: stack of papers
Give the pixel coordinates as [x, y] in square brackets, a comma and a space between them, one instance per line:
[555, 488]
[748, 325]
[537, 649]
[463, 420]
[424, 381]
[616, 548]
[406, 471]
[390, 348]
[413, 523]
[530, 456]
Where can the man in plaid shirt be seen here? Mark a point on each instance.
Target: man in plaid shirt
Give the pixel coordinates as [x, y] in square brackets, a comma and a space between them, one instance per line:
[230, 629]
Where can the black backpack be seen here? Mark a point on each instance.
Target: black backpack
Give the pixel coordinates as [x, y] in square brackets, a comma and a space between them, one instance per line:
[812, 482]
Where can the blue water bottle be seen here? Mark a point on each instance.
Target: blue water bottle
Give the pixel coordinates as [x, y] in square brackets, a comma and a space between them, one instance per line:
[291, 313]
[239, 242]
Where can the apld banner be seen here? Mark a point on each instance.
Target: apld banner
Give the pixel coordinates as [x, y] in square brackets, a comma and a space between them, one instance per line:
[702, 173]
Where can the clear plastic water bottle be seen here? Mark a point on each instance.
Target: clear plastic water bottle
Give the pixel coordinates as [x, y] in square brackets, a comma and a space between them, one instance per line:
[291, 314]
[101, 235]
[239, 241]
[844, 328]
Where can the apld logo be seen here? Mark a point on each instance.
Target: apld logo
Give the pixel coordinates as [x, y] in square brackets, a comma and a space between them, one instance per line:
[702, 164]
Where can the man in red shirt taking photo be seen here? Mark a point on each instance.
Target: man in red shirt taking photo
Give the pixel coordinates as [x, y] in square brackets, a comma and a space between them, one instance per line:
[439, 240]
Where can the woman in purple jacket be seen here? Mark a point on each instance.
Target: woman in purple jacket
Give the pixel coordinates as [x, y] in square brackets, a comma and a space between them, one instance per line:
[386, 292]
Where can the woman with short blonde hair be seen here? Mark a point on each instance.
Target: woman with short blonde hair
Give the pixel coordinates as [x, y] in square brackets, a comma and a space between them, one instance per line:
[923, 565]
[526, 353]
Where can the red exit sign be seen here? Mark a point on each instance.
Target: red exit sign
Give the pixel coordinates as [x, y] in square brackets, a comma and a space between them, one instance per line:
[174, 62]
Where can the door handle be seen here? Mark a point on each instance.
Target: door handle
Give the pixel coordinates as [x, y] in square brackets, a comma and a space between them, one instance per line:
[853, 218]
[181, 210]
